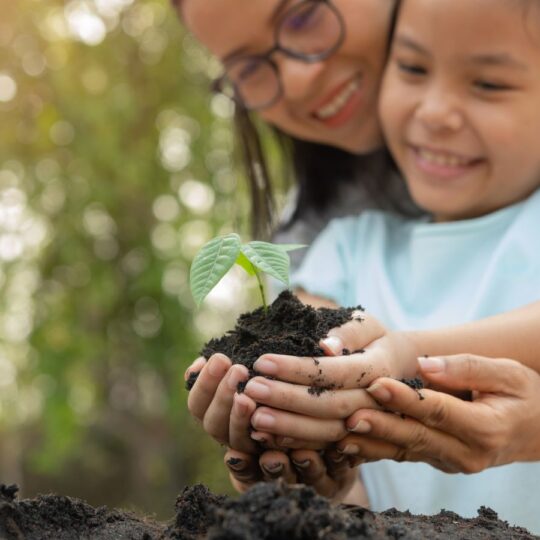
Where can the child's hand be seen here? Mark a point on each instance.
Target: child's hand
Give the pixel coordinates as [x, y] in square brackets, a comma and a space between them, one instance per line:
[212, 401]
[376, 352]
[332, 477]
[500, 425]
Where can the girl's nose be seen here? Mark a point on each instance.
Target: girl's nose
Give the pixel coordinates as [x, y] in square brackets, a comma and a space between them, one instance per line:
[299, 79]
[438, 111]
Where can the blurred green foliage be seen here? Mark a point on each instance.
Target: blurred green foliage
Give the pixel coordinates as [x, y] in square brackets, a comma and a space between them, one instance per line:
[115, 167]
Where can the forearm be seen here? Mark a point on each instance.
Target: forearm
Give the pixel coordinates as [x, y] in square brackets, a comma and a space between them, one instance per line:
[515, 334]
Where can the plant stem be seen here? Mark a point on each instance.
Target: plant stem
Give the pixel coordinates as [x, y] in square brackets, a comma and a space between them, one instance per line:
[261, 289]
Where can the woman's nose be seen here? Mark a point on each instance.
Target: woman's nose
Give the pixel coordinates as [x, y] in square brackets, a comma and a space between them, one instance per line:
[439, 111]
[299, 79]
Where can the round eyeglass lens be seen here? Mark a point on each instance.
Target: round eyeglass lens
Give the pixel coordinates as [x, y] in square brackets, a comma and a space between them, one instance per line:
[312, 30]
[255, 80]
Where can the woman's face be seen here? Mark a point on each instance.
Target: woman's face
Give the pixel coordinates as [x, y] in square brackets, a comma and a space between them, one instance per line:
[333, 101]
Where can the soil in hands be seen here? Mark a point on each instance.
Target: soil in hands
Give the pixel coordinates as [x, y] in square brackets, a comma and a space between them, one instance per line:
[268, 511]
[288, 327]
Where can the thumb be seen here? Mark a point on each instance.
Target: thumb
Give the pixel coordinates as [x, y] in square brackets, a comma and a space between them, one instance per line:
[470, 372]
[354, 335]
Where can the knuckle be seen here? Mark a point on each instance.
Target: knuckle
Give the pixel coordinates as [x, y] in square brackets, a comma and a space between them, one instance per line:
[343, 407]
[400, 455]
[420, 442]
[472, 465]
[438, 414]
[338, 431]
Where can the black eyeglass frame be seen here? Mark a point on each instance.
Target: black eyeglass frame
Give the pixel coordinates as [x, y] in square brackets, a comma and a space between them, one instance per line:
[218, 84]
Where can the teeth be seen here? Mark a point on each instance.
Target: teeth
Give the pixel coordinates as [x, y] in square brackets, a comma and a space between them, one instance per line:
[444, 160]
[332, 108]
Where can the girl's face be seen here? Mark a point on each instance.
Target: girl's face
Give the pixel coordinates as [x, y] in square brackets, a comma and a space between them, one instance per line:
[460, 104]
[333, 101]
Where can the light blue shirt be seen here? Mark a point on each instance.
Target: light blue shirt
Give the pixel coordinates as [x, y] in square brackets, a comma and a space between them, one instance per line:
[413, 274]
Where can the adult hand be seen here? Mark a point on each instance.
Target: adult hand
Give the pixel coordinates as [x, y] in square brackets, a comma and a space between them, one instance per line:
[500, 425]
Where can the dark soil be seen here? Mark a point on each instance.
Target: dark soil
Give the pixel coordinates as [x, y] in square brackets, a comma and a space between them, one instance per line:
[271, 511]
[288, 327]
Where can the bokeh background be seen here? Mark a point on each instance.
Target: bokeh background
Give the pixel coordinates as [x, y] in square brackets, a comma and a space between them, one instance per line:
[116, 165]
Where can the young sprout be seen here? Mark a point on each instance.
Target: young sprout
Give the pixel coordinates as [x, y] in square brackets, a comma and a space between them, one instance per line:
[220, 254]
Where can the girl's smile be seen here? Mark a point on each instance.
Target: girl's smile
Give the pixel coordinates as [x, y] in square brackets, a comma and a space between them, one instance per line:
[443, 164]
[460, 104]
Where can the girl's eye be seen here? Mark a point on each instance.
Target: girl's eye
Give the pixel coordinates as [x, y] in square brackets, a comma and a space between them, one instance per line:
[411, 69]
[488, 86]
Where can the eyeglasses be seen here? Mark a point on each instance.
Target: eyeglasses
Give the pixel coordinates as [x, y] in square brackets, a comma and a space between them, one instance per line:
[310, 31]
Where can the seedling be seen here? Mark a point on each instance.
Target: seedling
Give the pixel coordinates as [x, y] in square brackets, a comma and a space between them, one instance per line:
[220, 254]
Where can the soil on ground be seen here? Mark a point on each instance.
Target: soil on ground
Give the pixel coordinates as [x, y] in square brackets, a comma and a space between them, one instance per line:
[288, 327]
[268, 511]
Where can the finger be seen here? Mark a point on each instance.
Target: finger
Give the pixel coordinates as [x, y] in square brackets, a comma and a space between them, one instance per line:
[275, 464]
[240, 423]
[337, 372]
[263, 440]
[312, 471]
[289, 443]
[304, 400]
[195, 367]
[433, 409]
[244, 469]
[217, 416]
[469, 372]
[360, 450]
[352, 336]
[297, 426]
[205, 387]
[410, 435]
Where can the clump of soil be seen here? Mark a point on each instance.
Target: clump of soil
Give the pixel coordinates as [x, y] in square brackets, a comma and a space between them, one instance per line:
[288, 327]
[268, 511]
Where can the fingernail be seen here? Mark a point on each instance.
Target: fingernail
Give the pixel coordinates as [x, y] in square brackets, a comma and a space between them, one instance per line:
[350, 449]
[236, 464]
[195, 367]
[432, 364]
[257, 390]
[334, 344]
[215, 368]
[337, 459]
[362, 427]
[263, 421]
[286, 441]
[262, 365]
[240, 409]
[259, 438]
[273, 469]
[302, 464]
[380, 393]
[235, 376]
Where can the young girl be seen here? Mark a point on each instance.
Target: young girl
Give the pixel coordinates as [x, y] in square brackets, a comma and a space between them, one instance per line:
[460, 107]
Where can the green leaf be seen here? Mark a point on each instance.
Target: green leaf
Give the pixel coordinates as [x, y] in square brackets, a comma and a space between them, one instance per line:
[246, 264]
[269, 258]
[212, 262]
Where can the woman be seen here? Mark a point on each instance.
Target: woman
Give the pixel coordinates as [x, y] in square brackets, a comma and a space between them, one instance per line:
[312, 69]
